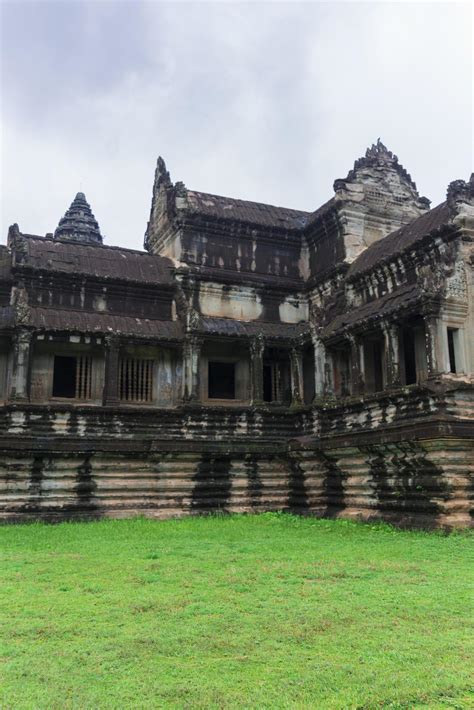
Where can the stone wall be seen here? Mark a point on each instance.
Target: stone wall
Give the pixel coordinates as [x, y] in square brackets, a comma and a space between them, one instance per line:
[77, 462]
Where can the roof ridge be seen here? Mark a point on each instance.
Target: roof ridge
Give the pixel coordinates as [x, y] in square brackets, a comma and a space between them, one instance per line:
[102, 247]
[252, 202]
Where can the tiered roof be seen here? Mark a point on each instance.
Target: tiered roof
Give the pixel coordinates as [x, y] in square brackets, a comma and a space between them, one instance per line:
[79, 224]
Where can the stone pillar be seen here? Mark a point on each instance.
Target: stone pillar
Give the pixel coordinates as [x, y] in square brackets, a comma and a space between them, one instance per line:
[191, 365]
[296, 370]
[322, 369]
[20, 366]
[432, 345]
[357, 367]
[111, 386]
[392, 355]
[257, 347]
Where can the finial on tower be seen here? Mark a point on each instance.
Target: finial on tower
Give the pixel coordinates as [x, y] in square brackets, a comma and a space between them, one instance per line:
[161, 173]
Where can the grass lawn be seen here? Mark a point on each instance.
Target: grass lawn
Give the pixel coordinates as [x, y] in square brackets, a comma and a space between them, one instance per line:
[268, 611]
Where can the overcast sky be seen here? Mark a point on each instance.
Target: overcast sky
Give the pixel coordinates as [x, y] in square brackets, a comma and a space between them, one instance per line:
[263, 101]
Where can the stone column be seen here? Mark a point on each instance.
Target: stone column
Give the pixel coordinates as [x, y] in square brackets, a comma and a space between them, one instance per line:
[432, 345]
[191, 365]
[392, 355]
[322, 369]
[111, 386]
[296, 370]
[357, 367]
[257, 347]
[20, 366]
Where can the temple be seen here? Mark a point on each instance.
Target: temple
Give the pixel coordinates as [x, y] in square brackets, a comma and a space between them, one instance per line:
[252, 358]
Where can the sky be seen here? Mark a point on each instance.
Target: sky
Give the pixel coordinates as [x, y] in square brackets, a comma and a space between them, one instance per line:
[266, 101]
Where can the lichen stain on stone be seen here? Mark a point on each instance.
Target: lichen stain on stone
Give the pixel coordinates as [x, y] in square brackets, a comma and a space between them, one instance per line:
[333, 488]
[254, 481]
[297, 490]
[405, 481]
[212, 484]
[36, 477]
[85, 485]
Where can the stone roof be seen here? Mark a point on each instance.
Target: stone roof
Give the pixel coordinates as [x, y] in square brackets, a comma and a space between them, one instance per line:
[401, 240]
[256, 213]
[79, 224]
[114, 263]
[322, 211]
[230, 327]
[56, 319]
[406, 296]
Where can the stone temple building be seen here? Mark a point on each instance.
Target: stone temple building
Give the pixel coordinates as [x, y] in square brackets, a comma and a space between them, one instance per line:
[251, 358]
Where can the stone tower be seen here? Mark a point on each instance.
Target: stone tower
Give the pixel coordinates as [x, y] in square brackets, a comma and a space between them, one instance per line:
[79, 224]
[377, 197]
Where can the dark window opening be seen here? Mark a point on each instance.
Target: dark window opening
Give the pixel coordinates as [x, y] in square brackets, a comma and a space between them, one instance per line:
[409, 357]
[374, 352]
[342, 372]
[267, 383]
[72, 377]
[378, 365]
[64, 376]
[452, 336]
[271, 382]
[221, 380]
[308, 375]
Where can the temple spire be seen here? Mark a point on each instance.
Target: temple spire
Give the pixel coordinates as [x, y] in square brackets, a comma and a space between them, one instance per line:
[79, 224]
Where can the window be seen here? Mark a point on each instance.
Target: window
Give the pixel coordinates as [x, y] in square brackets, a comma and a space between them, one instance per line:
[373, 357]
[3, 374]
[341, 371]
[453, 349]
[409, 356]
[72, 377]
[221, 380]
[271, 382]
[136, 380]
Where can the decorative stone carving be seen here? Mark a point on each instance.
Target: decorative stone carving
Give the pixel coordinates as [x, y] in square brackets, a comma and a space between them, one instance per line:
[460, 191]
[456, 284]
[19, 301]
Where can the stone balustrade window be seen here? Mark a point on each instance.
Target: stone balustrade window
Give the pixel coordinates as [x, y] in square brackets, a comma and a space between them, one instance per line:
[136, 380]
[374, 364]
[272, 382]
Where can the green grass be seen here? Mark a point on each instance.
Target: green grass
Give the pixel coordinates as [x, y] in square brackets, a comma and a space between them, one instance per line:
[268, 611]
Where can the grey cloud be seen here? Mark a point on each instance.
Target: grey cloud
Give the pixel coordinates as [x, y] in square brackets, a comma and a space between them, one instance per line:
[268, 101]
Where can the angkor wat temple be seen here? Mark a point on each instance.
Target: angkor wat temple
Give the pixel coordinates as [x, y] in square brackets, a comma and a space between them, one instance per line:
[252, 358]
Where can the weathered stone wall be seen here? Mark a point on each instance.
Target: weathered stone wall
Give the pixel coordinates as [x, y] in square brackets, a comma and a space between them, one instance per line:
[81, 462]
[427, 482]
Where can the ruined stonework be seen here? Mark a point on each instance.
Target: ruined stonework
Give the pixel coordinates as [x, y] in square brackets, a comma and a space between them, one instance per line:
[252, 358]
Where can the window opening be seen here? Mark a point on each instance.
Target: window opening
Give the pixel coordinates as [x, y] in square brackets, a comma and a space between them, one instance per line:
[271, 382]
[373, 362]
[452, 342]
[409, 357]
[221, 380]
[341, 372]
[378, 365]
[72, 377]
[136, 380]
